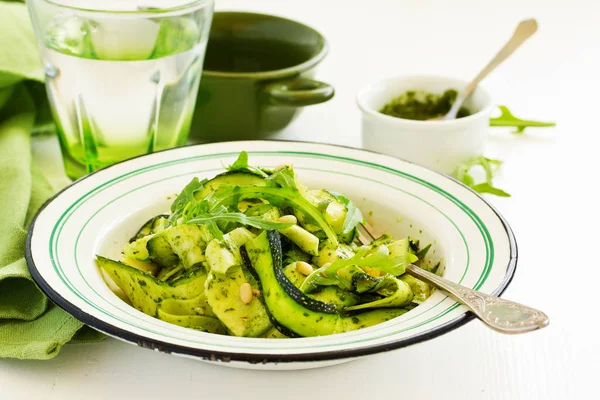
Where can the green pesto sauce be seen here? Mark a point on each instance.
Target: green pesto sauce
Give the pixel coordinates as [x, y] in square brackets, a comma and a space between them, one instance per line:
[421, 106]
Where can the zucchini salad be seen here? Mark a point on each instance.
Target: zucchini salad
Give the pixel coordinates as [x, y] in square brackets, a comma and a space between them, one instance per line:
[254, 253]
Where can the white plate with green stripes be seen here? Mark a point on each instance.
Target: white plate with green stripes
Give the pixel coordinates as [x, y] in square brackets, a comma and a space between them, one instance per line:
[99, 213]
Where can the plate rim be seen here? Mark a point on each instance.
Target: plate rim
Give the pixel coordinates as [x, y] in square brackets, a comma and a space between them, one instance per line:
[252, 358]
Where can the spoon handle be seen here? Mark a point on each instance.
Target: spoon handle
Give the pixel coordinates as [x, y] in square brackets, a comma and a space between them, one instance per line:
[524, 30]
[499, 314]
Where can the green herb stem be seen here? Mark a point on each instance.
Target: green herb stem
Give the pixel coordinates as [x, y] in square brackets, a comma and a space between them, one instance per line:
[508, 119]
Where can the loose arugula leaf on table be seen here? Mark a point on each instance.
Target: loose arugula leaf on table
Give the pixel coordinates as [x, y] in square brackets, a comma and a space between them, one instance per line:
[486, 187]
[353, 215]
[490, 167]
[508, 119]
[241, 164]
[378, 258]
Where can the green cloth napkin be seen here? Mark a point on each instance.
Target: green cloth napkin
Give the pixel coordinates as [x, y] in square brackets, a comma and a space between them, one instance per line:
[31, 327]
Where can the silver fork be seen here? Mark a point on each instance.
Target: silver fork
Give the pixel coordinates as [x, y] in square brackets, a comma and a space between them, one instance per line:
[499, 314]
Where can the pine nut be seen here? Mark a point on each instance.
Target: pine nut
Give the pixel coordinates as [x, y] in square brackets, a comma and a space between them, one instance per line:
[304, 268]
[288, 219]
[246, 293]
[280, 166]
[256, 292]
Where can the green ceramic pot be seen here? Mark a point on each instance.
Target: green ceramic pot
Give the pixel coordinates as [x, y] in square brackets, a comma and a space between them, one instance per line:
[257, 75]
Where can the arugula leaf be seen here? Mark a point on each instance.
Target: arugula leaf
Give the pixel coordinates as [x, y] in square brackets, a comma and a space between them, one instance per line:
[227, 195]
[353, 215]
[490, 167]
[378, 258]
[185, 197]
[187, 194]
[256, 222]
[284, 178]
[508, 119]
[423, 252]
[241, 164]
[194, 210]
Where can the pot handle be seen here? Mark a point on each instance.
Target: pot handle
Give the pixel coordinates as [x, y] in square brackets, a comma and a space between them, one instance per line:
[296, 92]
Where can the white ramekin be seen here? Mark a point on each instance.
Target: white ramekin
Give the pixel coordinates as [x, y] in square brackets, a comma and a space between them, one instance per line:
[441, 145]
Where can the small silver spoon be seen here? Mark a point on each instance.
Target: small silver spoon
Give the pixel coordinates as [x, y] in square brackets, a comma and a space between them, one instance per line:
[524, 30]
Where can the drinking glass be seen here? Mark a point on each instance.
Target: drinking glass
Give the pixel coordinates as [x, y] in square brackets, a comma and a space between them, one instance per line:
[121, 75]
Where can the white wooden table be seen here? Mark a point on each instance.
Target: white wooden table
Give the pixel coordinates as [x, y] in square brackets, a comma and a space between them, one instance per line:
[552, 174]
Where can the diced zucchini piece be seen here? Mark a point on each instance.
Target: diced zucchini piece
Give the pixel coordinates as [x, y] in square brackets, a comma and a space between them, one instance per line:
[181, 244]
[219, 258]
[160, 224]
[319, 198]
[421, 290]
[137, 249]
[401, 248]
[153, 225]
[238, 237]
[224, 254]
[272, 215]
[335, 214]
[302, 238]
[329, 253]
[223, 295]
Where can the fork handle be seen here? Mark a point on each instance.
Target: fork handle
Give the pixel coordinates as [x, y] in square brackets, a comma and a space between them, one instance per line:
[499, 314]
